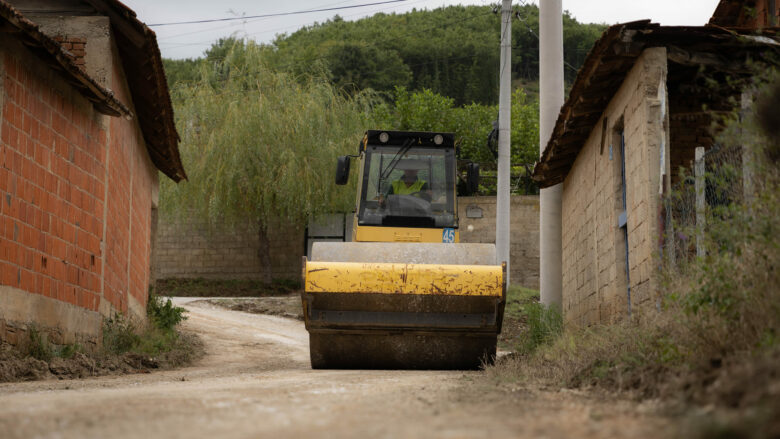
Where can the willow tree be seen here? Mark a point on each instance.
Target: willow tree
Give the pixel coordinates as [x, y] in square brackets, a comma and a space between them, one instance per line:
[259, 145]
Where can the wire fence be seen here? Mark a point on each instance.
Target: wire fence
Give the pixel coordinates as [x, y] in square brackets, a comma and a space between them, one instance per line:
[714, 185]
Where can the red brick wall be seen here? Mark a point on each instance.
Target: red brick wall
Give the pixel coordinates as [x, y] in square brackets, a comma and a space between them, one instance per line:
[77, 46]
[128, 237]
[57, 166]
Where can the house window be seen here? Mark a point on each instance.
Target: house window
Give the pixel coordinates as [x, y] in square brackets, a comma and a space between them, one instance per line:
[623, 217]
[617, 152]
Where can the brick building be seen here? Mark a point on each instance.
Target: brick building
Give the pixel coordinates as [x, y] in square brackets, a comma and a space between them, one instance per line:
[645, 98]
[86, 123]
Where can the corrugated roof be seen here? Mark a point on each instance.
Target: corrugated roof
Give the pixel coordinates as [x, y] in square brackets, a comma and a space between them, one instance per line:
[611, 58]
[59, 60]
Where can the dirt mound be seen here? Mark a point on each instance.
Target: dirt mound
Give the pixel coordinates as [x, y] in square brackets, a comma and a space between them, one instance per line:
[16, 366]
[285, 306]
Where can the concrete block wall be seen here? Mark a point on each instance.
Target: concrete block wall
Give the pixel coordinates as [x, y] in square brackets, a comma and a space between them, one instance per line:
[190, 249]
[75, 216]
[524, 232]
[594, 275]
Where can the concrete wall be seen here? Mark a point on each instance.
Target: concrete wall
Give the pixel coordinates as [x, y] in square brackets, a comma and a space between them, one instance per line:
[76, 189]
[524, 232]
[190, 250]
[594, 276]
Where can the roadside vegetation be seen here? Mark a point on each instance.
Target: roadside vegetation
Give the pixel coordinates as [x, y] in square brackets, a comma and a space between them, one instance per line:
[527, 323]
[716, 340]
[127, 347]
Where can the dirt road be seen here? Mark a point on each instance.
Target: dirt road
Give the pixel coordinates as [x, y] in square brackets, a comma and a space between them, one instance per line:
[255, 381]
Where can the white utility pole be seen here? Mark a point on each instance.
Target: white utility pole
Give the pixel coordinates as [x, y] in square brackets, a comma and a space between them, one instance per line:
[551, 100]
[504, 132]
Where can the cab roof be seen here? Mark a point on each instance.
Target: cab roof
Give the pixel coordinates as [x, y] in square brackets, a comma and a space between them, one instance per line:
[420, 138]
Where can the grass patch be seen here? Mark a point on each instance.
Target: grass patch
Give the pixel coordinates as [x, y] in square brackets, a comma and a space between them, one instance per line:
[159, 336]
[527, 323]
[39, 347]
[200, 287]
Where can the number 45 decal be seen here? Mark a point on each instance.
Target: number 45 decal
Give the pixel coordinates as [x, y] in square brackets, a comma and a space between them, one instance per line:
[448, 235]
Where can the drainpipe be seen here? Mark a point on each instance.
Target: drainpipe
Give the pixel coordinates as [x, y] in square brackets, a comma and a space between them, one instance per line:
[551, 100]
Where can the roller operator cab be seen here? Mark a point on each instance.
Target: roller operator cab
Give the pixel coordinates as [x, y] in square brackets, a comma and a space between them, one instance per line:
[404, 293]
[406, 188]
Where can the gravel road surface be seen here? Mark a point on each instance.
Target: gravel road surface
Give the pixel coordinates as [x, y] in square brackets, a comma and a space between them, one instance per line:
[255, 381]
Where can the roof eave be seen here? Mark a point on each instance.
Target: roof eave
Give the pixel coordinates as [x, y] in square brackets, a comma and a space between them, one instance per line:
[62, 62]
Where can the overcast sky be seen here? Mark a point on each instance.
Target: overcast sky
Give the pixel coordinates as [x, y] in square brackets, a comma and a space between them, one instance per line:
[189, 41]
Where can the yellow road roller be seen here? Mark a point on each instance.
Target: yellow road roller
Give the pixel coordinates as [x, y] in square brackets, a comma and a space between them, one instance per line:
[404, 293]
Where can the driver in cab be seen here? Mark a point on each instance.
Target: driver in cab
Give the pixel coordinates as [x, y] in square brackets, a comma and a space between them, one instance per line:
[409, 184]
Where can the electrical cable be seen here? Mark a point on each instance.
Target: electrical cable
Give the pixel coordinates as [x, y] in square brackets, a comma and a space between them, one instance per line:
[278, 14]
[200, 31]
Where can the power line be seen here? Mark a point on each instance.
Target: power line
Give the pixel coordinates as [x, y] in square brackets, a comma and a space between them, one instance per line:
[175, 45]
[200, 31]
[279, 14]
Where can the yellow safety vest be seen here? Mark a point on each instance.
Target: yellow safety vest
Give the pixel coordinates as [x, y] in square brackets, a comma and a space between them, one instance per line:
[400, 188]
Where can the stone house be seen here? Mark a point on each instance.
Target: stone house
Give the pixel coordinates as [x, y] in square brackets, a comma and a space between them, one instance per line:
[645, 98]
[85, 124]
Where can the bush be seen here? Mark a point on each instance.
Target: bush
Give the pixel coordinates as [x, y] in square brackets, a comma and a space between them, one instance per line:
[164, 315]
[119, 334]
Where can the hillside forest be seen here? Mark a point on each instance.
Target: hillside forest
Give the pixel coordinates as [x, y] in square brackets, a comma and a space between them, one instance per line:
[253, 116]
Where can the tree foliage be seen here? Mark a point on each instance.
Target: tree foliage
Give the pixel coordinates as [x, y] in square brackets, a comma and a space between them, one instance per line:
[429, 111]
[262, 124]
[259, 144]
[453, 51]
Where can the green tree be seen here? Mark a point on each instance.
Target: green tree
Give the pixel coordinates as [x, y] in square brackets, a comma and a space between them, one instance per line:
[453, 51]
[181, 71]
[428, 111]
[525, 128]
[357, 66]
[418, 111]
[260, 145]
